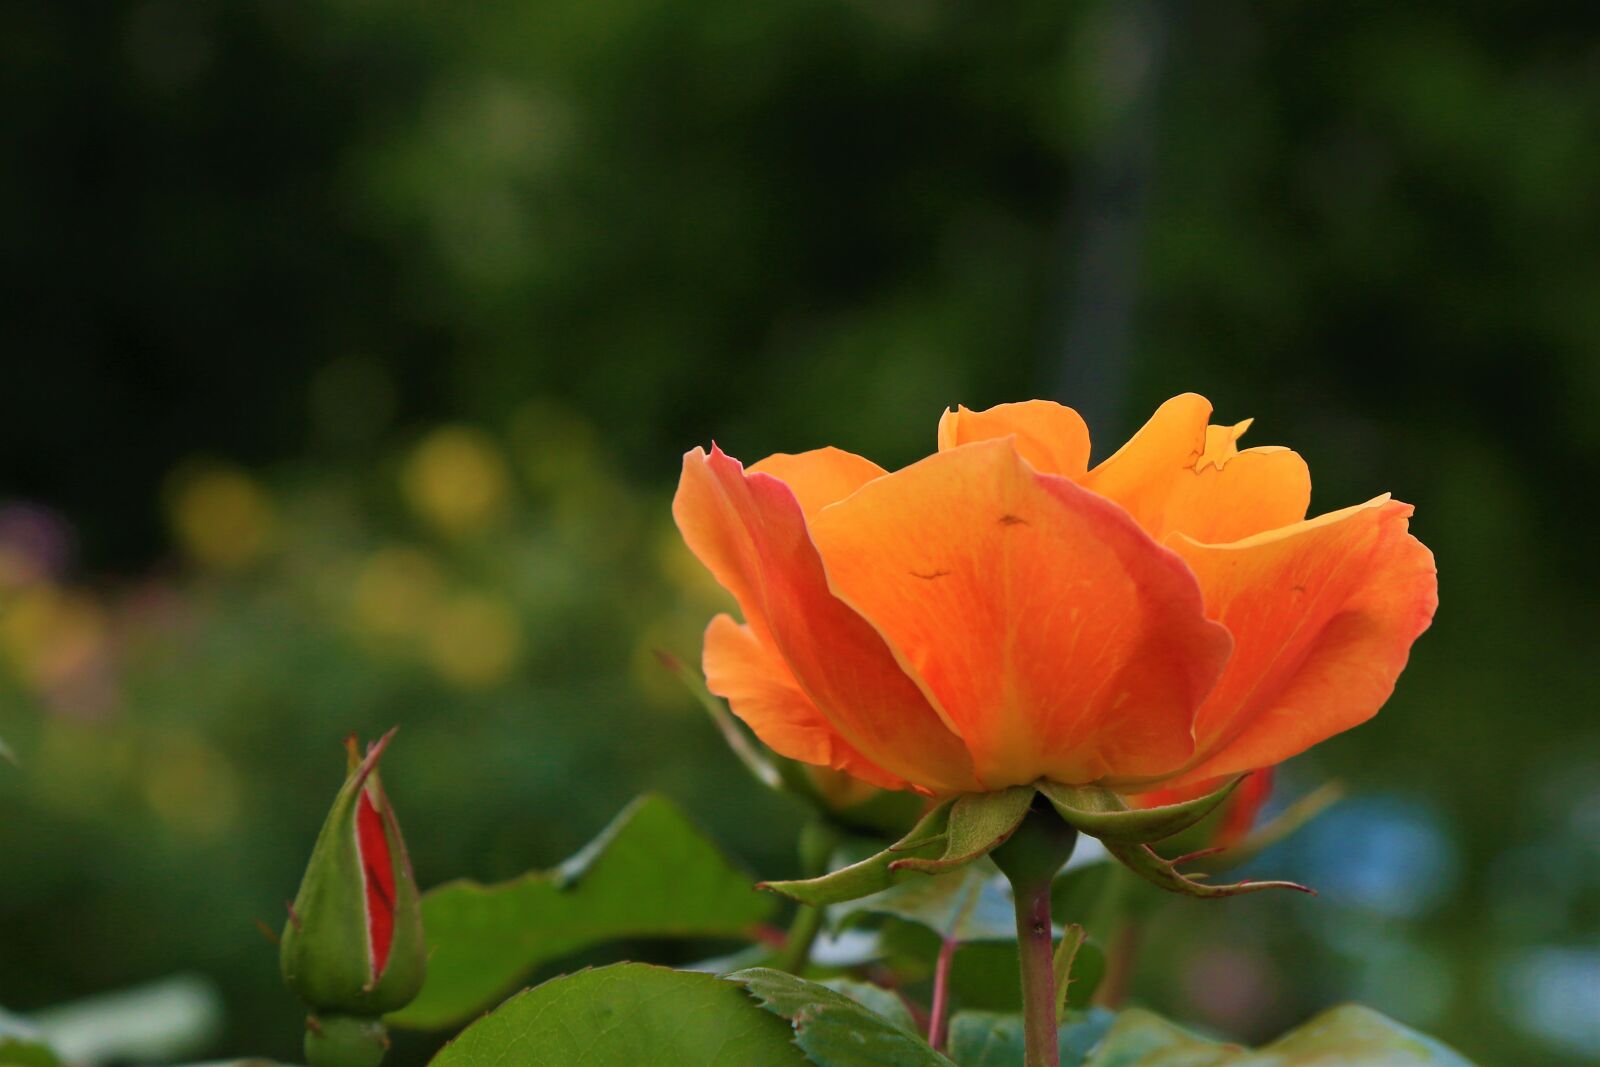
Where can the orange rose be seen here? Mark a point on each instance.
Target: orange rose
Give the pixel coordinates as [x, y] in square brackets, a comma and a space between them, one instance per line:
[1001, 613]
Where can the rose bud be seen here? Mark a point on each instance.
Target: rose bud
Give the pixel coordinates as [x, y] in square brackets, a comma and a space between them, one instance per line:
[353, 944]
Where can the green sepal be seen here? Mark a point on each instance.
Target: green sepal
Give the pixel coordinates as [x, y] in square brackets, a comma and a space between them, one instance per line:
[978, 824]
[877, 872]
[324, 953]
[1164, 874]
[1101, 813]
[345, 1041]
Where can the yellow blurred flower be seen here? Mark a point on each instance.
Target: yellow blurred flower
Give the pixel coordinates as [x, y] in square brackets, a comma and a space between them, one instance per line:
[396, 592]
[473, 641]
[51, 635]
[222, 517]
[457, 479]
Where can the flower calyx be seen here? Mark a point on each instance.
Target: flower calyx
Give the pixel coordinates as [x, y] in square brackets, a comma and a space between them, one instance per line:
[966, 827]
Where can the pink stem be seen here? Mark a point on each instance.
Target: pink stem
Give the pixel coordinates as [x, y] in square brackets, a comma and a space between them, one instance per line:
[937, 1021]
[1035, 951]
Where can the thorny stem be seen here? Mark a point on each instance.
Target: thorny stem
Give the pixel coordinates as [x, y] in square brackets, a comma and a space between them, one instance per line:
[937, 1012]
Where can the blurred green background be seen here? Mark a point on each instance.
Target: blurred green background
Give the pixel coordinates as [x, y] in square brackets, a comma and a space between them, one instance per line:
[351, 348]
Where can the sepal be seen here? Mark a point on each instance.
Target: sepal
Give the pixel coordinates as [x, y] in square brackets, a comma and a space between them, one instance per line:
[978, 824]
[1164, 874]
[1098, 812]
[925, 840]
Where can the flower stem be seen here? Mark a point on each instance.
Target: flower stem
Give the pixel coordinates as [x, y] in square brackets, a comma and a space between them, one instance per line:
[1030, 860]
[796, 951]
[937, 1012]
[1035, 954]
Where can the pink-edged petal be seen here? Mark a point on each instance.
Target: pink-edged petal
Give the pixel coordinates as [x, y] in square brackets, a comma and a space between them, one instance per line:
[1323, 615]
[821, 476]
[750, 531]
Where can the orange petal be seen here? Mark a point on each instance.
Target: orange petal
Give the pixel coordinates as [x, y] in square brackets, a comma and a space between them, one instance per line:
[1177, 474]
[821, 476]
[748, 529]
[1323, 615]
[1059, 639]
[761, 691]
[1051, 437]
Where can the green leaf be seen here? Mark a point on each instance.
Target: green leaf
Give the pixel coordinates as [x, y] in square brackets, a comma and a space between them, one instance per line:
[1088, 970]
[834, 1029]
[875, 873]
[990, 1039]
[628, 1013]
[6, 753]
[1346, 1036]
[1101, 813]
[979, 823]
[970, 904]
[876, 999]
[1073, 939]
[651, 873]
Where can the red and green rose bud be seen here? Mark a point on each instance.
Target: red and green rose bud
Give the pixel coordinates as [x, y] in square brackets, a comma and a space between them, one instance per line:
[353, 944]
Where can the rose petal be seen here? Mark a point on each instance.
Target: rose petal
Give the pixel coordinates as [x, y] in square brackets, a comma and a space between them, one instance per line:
[377, 875]
[1177, 474]
[1058, 637]
[1051, 437]
[749, 530]
[821, 476]
[1323, 615]
[761, 691]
